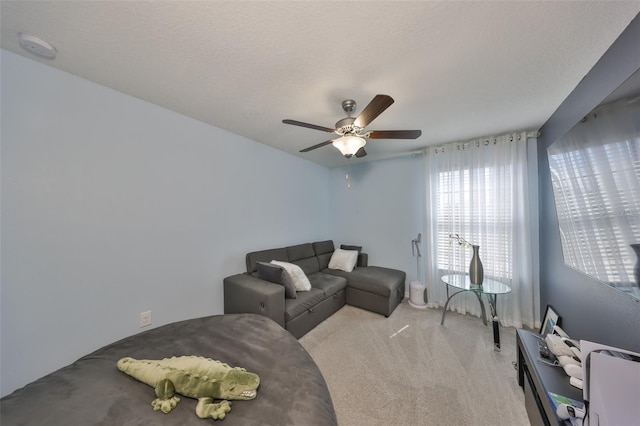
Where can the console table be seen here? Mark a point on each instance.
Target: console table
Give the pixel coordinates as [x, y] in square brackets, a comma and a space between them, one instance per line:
[537, 378]
[462, 283]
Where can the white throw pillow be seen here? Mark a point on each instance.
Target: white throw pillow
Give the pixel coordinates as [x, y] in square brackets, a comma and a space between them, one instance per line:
[300, 280]
[345, 260]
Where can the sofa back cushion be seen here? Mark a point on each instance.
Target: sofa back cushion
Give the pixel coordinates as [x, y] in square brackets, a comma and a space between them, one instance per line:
[304, 256]
[265, 256]
[323, 250]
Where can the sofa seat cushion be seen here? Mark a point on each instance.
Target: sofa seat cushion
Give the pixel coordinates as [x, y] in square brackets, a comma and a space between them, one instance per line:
[329, 284]
[373, 279]
[304, 301]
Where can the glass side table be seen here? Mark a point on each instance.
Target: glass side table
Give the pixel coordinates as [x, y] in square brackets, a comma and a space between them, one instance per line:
[461, 283]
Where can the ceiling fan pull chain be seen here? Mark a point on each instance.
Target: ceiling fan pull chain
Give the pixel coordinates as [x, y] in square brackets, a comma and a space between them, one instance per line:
[347, 175]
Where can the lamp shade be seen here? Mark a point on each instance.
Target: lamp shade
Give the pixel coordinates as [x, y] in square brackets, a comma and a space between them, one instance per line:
[349, 145]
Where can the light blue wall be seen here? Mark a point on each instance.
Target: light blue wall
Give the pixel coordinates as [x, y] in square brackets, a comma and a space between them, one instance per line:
[382, 211]
[112, 206]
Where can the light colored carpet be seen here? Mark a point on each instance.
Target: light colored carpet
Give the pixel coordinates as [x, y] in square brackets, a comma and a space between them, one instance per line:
[410, 370]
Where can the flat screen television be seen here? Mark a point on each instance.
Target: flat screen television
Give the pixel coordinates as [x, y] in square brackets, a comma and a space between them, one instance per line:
[595, 174]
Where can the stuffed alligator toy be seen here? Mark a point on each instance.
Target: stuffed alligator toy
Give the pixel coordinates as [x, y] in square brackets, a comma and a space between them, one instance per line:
[195, 377]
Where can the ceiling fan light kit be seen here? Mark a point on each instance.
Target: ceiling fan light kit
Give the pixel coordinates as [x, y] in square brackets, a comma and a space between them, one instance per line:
[348, 145]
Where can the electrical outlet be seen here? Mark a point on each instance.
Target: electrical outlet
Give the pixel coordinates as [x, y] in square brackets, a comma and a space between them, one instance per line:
[145, 318]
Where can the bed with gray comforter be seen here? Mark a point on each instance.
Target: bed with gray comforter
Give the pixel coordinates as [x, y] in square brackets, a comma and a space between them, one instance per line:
[92, 391]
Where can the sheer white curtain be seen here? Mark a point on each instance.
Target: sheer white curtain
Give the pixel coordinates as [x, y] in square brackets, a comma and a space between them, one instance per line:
[479, 189]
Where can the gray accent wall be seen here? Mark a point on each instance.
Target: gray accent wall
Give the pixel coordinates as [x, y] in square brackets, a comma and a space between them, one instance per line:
[590, 309]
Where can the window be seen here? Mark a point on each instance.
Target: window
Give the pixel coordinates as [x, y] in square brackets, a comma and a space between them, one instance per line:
[457, 206]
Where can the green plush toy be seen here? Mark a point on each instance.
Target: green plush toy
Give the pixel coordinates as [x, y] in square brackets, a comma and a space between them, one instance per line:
[195, 377]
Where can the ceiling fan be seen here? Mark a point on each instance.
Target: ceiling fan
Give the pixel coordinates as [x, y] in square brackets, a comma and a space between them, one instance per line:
[352, 137]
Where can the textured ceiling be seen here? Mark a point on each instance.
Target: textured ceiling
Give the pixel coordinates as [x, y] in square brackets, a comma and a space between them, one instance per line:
[457, 70]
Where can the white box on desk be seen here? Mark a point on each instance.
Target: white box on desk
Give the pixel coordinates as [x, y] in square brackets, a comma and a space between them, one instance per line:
[611, 385]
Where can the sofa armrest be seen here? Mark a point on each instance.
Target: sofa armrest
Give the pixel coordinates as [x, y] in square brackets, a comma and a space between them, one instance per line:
[363, 259]
[244, 293]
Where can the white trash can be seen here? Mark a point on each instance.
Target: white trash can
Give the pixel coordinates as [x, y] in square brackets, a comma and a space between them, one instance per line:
[417, 295]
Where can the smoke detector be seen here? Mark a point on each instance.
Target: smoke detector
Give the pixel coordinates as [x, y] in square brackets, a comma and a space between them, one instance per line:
[36, 45]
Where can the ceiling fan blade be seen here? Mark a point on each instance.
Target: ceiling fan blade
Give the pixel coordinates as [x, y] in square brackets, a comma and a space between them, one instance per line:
[309, 126]
[395, 134]
[321, 144]
[374, 109]
[361, 153]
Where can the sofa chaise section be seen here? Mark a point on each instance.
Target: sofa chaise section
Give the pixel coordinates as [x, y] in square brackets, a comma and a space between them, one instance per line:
[373, 288]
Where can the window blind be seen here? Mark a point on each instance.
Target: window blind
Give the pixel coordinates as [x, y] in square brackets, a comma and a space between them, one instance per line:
[495, 211]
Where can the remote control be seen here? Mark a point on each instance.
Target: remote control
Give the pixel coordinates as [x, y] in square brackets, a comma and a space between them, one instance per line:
[566, 411]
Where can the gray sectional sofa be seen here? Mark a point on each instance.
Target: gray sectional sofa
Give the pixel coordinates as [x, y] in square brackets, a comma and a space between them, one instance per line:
[373, 288]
